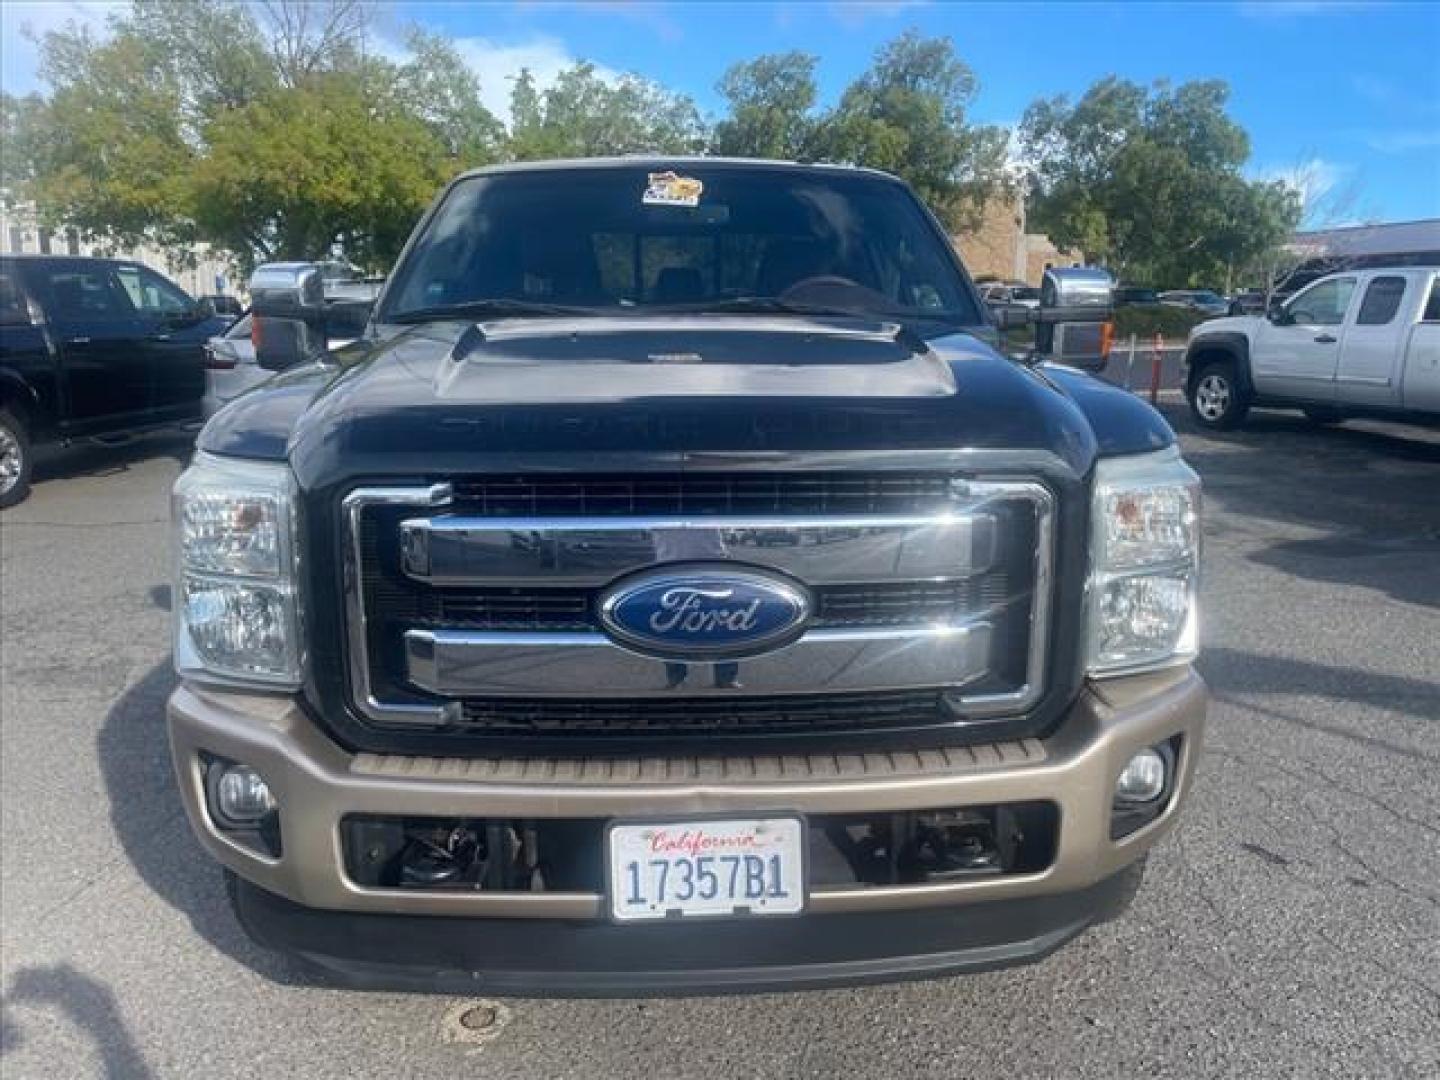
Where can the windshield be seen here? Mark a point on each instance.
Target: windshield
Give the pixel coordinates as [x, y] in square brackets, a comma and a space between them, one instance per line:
[632, 239]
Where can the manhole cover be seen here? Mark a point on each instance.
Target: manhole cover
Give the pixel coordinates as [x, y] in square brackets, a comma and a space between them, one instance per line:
[473, 1023]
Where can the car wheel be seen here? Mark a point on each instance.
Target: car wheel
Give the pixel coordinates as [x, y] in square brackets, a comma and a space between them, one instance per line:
[1216, 398]
[1320, 414]
[14, 459]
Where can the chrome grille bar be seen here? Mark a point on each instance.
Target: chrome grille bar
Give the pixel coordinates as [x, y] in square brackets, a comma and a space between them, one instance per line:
[595, 551]
[462, 664]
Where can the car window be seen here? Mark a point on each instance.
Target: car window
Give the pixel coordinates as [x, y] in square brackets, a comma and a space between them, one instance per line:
[86, 293]
[622, 239]
[13, 311]
[1324, 304]
[1381, 302]
[151, 293]
[1432, 306]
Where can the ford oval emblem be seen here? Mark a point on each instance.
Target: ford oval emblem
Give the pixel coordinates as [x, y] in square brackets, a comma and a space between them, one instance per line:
[704, 613]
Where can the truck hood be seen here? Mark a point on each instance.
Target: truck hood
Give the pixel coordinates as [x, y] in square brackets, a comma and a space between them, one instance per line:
[627, 393]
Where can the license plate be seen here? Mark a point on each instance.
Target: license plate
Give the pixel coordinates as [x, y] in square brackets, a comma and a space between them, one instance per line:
[751, 866]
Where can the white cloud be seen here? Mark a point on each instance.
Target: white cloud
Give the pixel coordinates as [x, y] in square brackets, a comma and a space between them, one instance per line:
[852, 14]
[1312, 180]
[24, 22]
[1330, 192]
[651, 15]
[498, 64]
[1400, 142]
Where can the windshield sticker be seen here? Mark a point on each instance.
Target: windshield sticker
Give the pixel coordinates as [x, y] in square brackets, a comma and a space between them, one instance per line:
[670, 189]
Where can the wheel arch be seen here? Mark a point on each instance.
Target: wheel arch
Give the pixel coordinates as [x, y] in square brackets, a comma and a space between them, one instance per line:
[1225, 346]
[18, 396]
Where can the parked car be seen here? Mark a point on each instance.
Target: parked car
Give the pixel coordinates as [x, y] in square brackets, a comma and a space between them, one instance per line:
[1201, 300]
[230, 364]
[1005, 294]
[89, 347]
[227, 307]
[1129, 295]
[575, 630]
[230, 367]
[1357, 343]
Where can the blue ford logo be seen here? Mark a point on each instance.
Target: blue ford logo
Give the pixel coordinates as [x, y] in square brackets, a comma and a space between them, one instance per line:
[701, 613]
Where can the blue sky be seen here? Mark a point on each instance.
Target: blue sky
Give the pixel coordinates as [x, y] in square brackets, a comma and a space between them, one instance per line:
[1345, 96]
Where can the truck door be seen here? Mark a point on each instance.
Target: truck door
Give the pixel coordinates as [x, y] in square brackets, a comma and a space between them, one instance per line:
[1374, 343]
[1298, 358]
[174, 338]
[1420, 387]
[26, 363]
[103, 367]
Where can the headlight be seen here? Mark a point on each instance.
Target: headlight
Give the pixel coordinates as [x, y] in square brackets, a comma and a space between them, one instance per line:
[236, 614]
[1145, 562]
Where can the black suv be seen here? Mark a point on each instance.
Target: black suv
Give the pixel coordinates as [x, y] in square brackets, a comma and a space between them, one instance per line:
[92, 347]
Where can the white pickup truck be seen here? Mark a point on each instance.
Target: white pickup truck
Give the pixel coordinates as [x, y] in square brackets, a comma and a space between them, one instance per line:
[1355, 343]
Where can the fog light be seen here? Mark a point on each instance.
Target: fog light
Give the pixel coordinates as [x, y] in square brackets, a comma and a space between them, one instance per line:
[241, 795]
[1143, 779]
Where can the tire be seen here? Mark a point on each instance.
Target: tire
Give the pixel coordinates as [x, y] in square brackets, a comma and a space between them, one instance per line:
[1323, 415]
[1216, 398]
[15, 459]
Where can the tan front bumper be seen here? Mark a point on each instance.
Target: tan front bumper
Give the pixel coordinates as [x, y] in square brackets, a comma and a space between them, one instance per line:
[317, 784]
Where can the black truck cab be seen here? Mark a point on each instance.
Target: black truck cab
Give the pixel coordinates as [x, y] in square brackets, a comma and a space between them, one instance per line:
[92, 348]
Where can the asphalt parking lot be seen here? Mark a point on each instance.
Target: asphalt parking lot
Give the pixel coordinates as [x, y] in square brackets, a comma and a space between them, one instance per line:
[1291, 928]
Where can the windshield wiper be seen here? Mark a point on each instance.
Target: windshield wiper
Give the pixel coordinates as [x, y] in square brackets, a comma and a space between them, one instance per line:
[485, 309]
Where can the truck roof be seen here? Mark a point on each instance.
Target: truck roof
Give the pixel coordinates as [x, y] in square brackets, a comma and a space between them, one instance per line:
[42, 257]
[659, 161]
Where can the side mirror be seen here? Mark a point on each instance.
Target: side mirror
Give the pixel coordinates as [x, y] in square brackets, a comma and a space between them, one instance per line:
[1074, 321]
[1012, 316]
[1280, 315]
[287, 302]
[345, 320]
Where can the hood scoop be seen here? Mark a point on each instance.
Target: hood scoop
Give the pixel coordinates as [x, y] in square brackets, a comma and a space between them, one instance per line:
[627, 359]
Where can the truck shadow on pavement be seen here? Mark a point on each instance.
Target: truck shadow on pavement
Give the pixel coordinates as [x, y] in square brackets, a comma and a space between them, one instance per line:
[1233, 673]
[86, 1002]
[100, 459]
[148, 819]
[1366, 496]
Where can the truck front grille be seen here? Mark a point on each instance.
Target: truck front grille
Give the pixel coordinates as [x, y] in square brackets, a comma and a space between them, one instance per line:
[472, 605]
[703, 493]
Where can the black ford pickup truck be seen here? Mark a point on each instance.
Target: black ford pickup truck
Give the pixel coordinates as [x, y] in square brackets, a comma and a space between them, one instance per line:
[92, 348]
[674, 590]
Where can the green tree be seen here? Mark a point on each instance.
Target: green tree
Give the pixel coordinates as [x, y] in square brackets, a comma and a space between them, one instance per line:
[583, 114]
[771, 100]
[265, 129]
[907, 115]
[436, 86]
[296, 171]
[23, 130]
[1149, 182]
[110, 148]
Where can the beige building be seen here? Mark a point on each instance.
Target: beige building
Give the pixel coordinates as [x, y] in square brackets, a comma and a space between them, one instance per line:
[203, 272]
[1000, 247]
